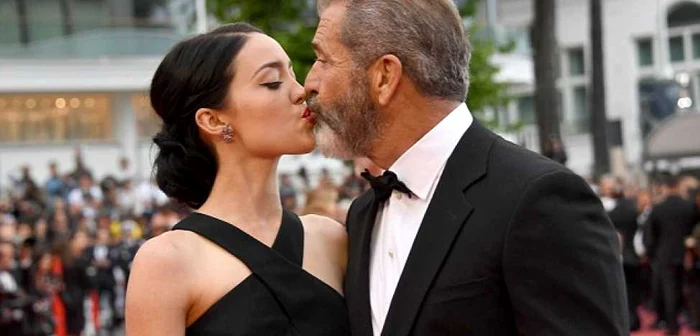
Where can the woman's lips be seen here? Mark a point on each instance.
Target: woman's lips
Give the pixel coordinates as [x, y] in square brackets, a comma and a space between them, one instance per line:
[309, 115]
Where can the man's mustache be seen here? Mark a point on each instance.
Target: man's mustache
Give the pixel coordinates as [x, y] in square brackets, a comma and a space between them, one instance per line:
[312, 104]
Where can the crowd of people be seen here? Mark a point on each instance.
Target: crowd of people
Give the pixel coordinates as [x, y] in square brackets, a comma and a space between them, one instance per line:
[66, 245]
[659, 232]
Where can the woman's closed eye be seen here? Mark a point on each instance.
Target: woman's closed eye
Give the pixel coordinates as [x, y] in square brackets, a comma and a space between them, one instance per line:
[272, 85]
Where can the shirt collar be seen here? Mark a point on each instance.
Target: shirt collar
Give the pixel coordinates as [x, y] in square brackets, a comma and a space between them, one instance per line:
[420, 166]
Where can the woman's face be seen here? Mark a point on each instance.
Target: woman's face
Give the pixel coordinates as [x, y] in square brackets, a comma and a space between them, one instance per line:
[60, 221]
[40, 228]
[45, 262]
[266, 105]
[80, 241]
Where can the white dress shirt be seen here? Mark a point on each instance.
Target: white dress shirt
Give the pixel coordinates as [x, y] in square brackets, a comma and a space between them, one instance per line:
[400, 217]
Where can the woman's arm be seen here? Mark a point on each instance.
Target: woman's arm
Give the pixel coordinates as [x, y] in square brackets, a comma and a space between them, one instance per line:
[157, 298]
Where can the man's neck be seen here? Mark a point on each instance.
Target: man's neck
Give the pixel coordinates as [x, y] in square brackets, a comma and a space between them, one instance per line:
[407, 124]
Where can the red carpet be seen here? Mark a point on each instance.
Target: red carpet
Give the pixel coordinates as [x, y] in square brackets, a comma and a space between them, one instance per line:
[648, 318]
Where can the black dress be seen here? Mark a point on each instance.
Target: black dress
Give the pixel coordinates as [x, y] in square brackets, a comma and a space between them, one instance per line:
[279, 297]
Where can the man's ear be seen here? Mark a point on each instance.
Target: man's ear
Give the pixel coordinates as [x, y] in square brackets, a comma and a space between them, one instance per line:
[385, 75]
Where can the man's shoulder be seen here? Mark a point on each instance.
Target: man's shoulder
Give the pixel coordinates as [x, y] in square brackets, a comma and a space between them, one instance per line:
[512, 166]
[511, 159]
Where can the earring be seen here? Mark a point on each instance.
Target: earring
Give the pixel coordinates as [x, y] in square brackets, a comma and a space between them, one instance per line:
[227, 134]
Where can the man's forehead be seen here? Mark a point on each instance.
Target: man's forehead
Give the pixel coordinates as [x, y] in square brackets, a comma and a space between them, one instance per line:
[327, 27]
[331, 18]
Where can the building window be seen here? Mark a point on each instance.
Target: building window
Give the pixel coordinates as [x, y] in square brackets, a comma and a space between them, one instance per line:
[645, 52]
[581, 117]
[676, 49]
[576, 62]
[147, 121]
[696, 46]
[685, 13]
[54, 118]
[526, 110]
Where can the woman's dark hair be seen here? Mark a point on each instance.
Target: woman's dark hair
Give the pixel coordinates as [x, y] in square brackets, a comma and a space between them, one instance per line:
[195, 74]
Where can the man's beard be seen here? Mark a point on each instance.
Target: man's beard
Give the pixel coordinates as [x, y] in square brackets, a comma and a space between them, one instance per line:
[346, 127]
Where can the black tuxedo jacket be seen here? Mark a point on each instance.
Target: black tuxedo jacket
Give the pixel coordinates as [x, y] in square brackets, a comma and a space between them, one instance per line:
[624, 218]
[511, 244]
[670, 222]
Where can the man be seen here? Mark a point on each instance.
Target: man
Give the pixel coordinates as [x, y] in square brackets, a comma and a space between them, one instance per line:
[288, 195]
[103, 258]
[670, 222]
[12, 301]
[86, 198]
[126, 172]
[476, 236]
[55, 186]
[623, 214]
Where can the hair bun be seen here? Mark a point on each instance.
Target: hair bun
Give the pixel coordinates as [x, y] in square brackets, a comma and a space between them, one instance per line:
[183, 171]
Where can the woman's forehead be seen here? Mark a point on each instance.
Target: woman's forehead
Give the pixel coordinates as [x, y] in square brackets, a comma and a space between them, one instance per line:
[260, 50]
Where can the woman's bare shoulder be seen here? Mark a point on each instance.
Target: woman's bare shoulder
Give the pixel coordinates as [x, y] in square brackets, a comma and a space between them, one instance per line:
[159, 292]
[163, 259]
[170, 250]
[325, 228]
[328, 238]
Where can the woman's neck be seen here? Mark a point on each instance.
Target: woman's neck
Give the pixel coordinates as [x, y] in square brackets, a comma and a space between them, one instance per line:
[245, 193]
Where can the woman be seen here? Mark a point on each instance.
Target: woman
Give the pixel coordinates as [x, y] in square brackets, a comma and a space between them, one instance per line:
[76, 279]
[45, 285]
[240, 265]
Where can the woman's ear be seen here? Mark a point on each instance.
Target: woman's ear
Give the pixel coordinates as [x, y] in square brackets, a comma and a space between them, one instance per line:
[209, 122]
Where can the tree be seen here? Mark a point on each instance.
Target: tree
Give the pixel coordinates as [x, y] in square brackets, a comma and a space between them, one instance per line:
[484, 90]
[599, 120]
[293, 24]
[546, 65]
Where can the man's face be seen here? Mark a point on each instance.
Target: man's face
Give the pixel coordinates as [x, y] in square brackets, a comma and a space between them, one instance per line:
[338, 92]
[85, 182]
[607, 187]
[7, 256]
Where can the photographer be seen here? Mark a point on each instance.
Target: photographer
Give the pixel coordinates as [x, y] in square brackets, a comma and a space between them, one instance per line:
[12, 299]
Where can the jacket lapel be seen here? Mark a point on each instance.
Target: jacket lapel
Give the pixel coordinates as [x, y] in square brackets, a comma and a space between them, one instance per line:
[360, 222]
[444, 219]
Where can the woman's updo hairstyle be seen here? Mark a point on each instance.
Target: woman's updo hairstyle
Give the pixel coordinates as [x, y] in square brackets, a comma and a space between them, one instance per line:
[195, 74]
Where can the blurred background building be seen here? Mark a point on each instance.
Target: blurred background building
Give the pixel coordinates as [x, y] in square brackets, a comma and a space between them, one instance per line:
[652, 70]
[77, 72]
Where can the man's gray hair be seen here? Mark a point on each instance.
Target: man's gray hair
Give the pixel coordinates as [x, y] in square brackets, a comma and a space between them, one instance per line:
[426, 35]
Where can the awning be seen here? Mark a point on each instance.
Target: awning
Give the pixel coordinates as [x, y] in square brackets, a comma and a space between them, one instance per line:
[677, 138]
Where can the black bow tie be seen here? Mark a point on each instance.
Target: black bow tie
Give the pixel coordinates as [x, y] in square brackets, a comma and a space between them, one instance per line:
[384, 185]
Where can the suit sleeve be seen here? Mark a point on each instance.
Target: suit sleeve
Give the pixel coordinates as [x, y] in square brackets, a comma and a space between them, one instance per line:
[561, 263]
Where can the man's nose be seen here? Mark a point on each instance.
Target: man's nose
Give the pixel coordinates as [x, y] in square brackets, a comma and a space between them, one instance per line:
[311, 82]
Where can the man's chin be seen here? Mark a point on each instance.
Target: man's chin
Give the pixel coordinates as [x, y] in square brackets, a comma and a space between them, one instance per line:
[328, 143]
